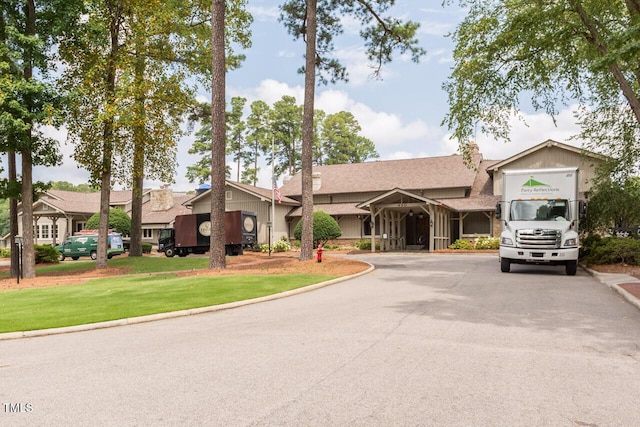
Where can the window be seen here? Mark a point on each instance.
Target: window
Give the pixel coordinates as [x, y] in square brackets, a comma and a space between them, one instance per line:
[147, 233]
[228, 195]
[80, 226]
[44, 231]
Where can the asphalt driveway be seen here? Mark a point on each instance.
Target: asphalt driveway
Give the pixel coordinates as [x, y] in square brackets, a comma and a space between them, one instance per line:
[423, 340]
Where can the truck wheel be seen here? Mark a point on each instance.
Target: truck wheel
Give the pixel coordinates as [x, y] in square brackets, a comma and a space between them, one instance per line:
[75, 258]
[571, 268]
[94, 255]
[169, 252]
[505, 265]
[61, 256]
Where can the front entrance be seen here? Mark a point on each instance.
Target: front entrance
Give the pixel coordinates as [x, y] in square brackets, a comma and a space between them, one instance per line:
[418, 230]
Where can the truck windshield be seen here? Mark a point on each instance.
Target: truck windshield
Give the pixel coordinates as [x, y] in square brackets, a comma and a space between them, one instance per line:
[539, 210]
[165, 234]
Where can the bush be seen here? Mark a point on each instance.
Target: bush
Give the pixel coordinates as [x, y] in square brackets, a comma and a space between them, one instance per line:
[46, 254]
[281, 245]
[325, 228]
[5, 253]
[487, 243]
[119, 221]
[461, 244]
[146, 248]
[365, 245]
[481, 243]
[611, 250]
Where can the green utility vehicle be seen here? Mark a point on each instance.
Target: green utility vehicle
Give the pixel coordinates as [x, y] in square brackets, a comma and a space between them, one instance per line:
[87, 245]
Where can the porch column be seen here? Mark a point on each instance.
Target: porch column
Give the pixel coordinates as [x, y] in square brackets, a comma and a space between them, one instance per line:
[35, 231]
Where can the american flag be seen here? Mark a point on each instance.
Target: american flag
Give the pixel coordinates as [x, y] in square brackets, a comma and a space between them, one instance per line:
[276, 191]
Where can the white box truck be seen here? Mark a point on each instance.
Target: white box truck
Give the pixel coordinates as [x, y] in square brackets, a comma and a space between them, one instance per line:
[540, 212]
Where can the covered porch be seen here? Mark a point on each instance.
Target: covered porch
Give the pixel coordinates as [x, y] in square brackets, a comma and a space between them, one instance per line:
[401, 220]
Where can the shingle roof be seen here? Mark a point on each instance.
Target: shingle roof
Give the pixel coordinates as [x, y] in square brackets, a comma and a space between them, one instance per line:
[264, 193]
[481, 197]
[73, 201]
[409, 174]
[149, 216]
[335, 209]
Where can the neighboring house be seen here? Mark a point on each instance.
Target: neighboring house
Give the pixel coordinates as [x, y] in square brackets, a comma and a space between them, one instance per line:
[426, 202]
[58, 213]
[243, 197]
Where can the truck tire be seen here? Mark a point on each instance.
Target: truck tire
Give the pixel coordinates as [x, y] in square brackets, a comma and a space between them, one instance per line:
[75, 258]
[505, 265]
[170, 252]
[61, 256]
[94, 255]
[571, 268]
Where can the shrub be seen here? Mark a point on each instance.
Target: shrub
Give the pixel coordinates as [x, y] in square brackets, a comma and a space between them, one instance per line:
[487, 243]
[365, 245]
[5, 253]
[119, 221]
[46, 254]
[146, 248]
[325, 228]
[612, 250]
[281, 245]
[461, 244]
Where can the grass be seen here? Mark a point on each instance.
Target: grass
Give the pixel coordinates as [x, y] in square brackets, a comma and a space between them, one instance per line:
[134, 264]
[131, 296]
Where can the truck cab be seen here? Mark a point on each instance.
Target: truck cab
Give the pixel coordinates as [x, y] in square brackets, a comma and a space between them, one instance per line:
[540, 214]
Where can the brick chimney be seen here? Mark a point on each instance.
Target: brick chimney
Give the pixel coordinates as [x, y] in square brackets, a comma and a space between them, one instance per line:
[161, 199]
[316, 179]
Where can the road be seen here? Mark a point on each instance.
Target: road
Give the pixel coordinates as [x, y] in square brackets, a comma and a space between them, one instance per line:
[428, 340]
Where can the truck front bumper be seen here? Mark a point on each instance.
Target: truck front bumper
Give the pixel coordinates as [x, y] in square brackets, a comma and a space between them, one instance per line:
[538, 256]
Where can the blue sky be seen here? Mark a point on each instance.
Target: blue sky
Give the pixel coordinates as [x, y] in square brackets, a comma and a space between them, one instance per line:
[401, 113]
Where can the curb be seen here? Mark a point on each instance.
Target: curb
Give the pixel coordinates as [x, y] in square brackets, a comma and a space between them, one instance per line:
[613, 280]
[174, 314]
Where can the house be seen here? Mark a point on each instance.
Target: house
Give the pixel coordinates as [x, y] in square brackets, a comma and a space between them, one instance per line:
[427, 202]
[58, 213]
[423, 203]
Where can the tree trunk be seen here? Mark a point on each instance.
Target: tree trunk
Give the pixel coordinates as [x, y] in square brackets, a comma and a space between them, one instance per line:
[135, 242]
[13, 215]
[28, 250]
[306, 244]
[108, 138]
[218, 136]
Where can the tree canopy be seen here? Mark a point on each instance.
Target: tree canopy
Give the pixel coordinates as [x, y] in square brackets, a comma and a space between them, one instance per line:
[510, 54]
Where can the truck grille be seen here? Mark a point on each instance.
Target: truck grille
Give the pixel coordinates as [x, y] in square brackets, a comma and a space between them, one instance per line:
[538, 239]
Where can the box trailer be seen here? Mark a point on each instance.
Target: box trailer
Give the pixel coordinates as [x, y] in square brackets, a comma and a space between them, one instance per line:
[192, 234]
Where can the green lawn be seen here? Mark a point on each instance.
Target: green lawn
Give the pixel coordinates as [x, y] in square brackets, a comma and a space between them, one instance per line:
[130, 296]
[144, 264]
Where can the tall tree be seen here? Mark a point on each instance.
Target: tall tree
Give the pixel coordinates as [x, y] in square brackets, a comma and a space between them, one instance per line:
[27, 102]
[236, 129]
[259, 140]
[341, 141]
[92, 55]
[218, 137]
[548, 54]
[382, 35]
[286, 128]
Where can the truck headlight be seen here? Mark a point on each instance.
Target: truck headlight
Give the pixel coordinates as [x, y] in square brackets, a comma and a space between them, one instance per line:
[571, 242]
[506, 241]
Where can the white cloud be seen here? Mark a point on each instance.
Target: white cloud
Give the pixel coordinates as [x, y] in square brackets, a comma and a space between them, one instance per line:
[536, 128]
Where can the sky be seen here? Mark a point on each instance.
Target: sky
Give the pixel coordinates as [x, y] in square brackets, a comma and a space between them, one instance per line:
[401, 113]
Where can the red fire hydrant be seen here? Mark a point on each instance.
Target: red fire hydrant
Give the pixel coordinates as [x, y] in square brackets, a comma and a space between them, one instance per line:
[319, 253]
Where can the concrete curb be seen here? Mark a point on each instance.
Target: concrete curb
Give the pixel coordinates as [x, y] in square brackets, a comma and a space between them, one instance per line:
[613, 280]
[174, 314]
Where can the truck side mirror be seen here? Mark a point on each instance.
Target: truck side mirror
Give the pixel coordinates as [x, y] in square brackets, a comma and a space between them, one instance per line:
[498, 210]
[582, 209]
